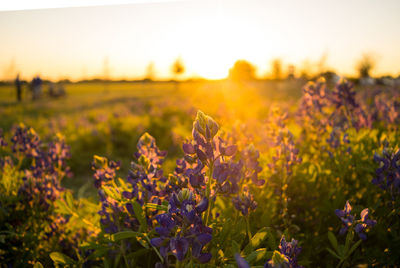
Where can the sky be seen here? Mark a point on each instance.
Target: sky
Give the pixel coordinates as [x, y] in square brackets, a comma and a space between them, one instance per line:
[208, 35]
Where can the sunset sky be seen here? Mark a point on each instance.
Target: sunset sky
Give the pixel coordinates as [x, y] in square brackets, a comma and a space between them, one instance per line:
[209, 36]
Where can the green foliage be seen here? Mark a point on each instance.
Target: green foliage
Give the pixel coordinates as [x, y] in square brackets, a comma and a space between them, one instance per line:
[323, 182]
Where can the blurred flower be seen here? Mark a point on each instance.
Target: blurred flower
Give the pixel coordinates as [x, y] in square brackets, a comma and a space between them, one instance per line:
[364, 223]
[182, 228]
[287, 255]
[343, 95]
[104, 170]
[3, 143]
[387, 175]
[241, 263]
[346, 218]
[25, 140]
[244, 202]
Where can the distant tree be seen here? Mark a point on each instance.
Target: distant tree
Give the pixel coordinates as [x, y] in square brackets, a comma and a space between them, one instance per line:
[150, 72]
[178, 68]
[276, 66]
[291, 71]
[321, 64]
[242, 71]
[364, 65]
[306, 70]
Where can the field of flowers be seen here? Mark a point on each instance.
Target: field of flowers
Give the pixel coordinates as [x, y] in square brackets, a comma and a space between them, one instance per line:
[205, 174]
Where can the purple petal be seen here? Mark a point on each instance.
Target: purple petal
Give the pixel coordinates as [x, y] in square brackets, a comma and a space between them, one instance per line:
[157, 242]
[370, 223]
[128, 195]
[179, 247]
[202, 206]
[204, 258]
[343, 230]
[242, 263]
[347, 208]
[359, 228]
[201, 155]
[364, 214]
[339, 213]
[362, 236]
[230, 150]
[204, 238]
[188, 148]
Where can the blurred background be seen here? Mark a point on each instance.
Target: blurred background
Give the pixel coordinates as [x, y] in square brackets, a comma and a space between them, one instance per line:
[104, 75]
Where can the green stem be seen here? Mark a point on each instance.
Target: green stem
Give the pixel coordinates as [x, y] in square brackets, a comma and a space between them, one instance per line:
[178, 264]
[208, 194]
[124, 255]
[248, 227]
[154, 248]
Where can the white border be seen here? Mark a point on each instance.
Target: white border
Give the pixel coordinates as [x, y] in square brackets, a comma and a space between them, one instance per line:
[11, 5]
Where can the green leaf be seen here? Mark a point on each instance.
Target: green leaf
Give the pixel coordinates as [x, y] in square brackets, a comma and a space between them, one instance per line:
[111, 193]
[124, 234]
[258, 255]
[256, 240]
[37, 265]
[143, 241]
[333, 253]
[105, 263]
[86, 245]
[69, 199]
[333, 240]
[138, 253]
[62, 207]
[139, 215]
[279, 258]
[99, 253]
[349, 239]
[340, 250]
[271, 241]
[155, 206]
[59, 258]
[354, 247]
[235, 247]
[100, 161]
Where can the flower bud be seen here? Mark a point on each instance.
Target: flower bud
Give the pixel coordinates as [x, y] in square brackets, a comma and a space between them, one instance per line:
[184, 194]
[188, 148]
[205, 125]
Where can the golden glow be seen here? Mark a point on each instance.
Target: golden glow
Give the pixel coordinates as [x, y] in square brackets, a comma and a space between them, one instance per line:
[208, 35]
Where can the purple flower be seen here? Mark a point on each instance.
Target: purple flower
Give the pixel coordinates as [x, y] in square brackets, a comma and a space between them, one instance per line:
[287, 255]
[3, 143]
[388, 172]
[244, 202]
[182, 228]
[227, 175]
[343, 95]
[291, 251]
[346, 218]
[241, 263]
[104, 170]
[26, 141]
[188, 148]
[251, 165]
[179, 247]
[286, 153]
[364, 223]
